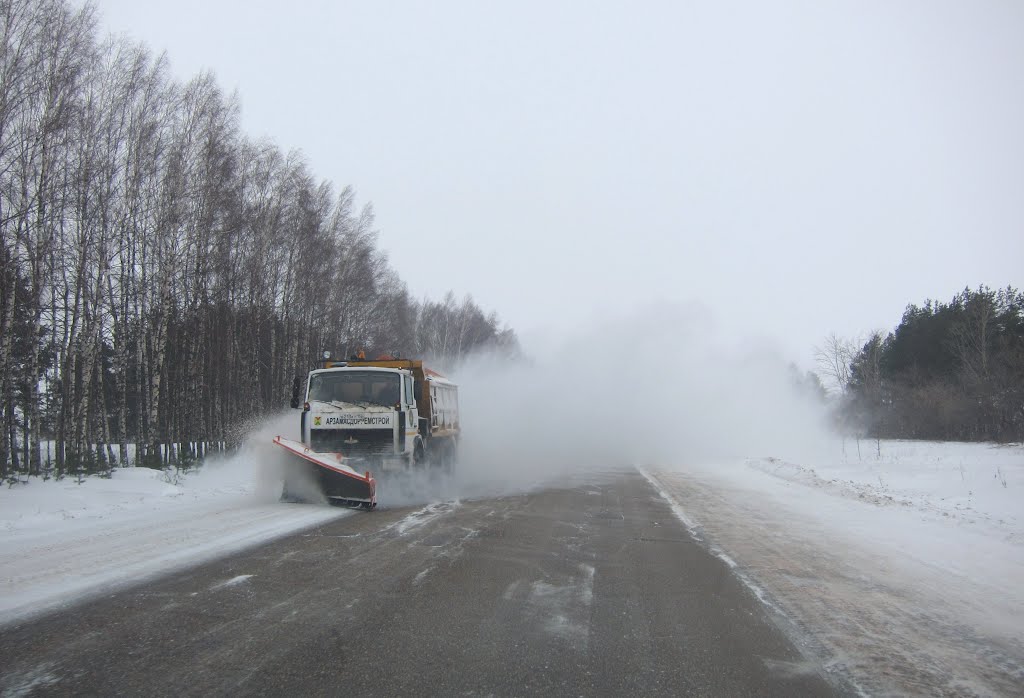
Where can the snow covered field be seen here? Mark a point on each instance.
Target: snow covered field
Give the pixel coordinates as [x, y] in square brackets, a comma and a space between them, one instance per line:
[61, 541]
[904, 568]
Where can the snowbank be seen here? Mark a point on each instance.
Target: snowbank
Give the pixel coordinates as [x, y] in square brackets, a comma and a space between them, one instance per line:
[61, 541]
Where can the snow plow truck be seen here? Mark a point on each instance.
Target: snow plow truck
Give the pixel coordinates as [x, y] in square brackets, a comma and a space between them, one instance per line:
[363, 418]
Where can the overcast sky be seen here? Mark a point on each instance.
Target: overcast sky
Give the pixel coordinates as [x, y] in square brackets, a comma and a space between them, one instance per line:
[796, 167]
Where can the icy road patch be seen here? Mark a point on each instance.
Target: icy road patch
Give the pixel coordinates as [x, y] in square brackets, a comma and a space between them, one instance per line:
[903, 566]
[63, 541]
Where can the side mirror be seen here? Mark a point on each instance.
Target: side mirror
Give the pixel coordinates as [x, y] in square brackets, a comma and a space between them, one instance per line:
[296, 386]
[417, 391]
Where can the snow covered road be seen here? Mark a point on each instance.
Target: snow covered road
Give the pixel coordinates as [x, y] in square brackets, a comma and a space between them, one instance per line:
[591, 589]
[901, 567]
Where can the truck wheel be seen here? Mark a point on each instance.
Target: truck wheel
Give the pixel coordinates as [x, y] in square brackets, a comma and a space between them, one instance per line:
[452, 456]
[445, 460]
[416, 459]
[435, 459]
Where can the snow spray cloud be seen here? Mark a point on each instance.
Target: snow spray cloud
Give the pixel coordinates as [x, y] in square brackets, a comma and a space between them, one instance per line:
[264, 466]
[659, 387]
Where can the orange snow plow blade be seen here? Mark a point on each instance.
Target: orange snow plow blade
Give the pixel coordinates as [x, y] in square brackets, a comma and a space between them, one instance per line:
[339, 482]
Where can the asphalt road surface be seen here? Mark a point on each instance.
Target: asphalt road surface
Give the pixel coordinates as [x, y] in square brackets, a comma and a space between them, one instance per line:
[592, 589]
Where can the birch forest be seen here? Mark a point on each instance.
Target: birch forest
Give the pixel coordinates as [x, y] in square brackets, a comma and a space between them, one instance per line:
[163, 277]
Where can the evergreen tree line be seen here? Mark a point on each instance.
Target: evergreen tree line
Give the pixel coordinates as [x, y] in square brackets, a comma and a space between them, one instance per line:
[949, 371]
[162, 276]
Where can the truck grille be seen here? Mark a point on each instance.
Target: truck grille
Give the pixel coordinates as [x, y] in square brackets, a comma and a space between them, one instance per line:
[367, 441]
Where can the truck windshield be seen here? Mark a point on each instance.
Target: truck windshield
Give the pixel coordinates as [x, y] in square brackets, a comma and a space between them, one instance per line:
[355, 387]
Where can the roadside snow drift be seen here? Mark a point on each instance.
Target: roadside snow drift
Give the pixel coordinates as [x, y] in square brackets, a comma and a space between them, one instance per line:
[61, 541]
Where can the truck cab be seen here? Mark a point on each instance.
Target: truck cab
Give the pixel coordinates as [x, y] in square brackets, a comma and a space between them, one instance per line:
[367, 414]
[386, 414]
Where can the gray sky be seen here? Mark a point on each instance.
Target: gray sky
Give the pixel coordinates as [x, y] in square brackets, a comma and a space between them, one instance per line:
[796, 167]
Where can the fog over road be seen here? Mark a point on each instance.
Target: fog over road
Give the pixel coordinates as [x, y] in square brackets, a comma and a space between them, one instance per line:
[594, 588]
